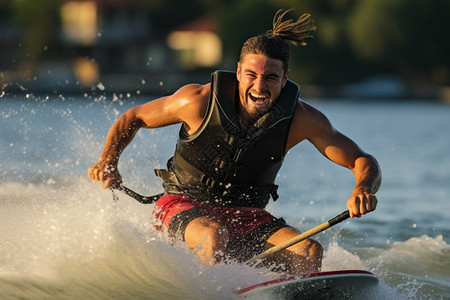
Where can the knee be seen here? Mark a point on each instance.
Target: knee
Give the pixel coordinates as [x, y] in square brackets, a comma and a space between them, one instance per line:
[309, 249]
[315, 250]
[212, 247]
[216, 237]
[308, 255]
[207, 238]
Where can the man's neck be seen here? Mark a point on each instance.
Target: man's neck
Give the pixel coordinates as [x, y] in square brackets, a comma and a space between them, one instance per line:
[245, 119]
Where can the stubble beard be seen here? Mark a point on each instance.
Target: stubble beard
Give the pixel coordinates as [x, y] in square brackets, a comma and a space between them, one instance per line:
[252, 111]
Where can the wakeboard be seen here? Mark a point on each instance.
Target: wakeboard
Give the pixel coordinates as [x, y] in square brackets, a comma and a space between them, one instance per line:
[342, 284]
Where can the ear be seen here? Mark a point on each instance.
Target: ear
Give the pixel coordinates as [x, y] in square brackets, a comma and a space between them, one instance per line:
[238, 71]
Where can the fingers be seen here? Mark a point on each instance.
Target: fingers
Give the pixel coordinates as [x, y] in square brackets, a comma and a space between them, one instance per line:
[361, 204]
[370, 203]
[109, 175]
[95, 173]
[353, 208]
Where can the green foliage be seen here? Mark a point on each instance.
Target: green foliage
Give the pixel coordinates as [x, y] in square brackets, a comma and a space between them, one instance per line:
[40, 19]
[242, 20]
[168, 15]
[372, 42]
[408, 36]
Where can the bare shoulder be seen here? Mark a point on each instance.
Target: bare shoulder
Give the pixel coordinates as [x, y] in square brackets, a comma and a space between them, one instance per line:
[306, 112]
[192, 102]
[188, 105]
[193, 91]
[307, 123]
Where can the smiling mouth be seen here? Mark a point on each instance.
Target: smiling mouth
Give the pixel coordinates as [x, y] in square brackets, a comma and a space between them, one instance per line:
[258, 98]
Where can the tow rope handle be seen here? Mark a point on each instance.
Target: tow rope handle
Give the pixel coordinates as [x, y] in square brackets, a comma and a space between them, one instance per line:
[133, 194]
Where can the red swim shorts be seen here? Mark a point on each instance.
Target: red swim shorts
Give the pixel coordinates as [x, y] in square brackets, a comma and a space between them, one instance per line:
[248, 227]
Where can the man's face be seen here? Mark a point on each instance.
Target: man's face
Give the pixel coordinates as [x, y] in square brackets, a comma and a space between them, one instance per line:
[260, 82]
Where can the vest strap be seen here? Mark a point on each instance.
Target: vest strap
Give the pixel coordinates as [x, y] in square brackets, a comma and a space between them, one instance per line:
[213, 190]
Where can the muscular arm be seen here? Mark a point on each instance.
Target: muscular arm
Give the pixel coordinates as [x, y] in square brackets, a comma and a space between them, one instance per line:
[311, 124]
[187, 105]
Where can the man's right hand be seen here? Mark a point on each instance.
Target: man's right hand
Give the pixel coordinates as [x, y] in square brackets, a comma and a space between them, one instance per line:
[106, 173]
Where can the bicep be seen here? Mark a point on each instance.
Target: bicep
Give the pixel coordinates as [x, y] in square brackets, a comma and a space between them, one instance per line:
[312, 125]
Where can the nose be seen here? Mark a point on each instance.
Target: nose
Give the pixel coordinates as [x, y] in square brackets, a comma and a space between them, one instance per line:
[260, 84]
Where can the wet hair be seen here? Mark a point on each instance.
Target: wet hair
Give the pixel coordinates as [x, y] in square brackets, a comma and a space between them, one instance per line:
[275, 43]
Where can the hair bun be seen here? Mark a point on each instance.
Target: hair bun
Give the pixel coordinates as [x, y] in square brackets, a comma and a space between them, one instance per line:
[292, 31]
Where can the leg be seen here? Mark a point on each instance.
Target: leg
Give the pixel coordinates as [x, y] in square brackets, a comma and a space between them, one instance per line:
[207, 238]
[301, 258]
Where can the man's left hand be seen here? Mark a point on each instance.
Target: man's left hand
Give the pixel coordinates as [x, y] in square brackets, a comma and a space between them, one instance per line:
[361, 202]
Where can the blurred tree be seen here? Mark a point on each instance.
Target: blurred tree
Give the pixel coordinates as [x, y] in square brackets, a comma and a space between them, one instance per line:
[240, 21]
[407, 37]
[329, 59]
[41, 22]
[169, 14]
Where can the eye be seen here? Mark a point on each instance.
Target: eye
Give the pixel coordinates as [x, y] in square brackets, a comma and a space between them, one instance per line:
[272, 78]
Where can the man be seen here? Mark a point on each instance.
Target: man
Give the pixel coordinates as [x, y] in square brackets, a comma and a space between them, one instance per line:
[235, 133]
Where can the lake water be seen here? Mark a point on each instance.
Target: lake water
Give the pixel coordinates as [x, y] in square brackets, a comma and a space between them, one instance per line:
[63, 237]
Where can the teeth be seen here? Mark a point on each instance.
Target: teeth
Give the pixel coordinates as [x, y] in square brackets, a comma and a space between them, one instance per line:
[258, 96]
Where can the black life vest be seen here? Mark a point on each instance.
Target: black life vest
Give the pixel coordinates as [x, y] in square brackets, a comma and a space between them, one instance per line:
[224, 165]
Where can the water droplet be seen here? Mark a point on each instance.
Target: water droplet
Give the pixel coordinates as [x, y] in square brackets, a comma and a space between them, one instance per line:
[100, 86]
